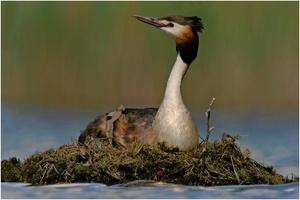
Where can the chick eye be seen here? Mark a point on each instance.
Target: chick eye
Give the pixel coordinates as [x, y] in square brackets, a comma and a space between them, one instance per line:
[170, 24]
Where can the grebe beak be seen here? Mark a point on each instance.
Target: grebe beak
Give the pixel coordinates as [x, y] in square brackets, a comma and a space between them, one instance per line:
[149, 20]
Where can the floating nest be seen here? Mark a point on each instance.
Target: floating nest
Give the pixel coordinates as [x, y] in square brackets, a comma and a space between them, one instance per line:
[225, 164]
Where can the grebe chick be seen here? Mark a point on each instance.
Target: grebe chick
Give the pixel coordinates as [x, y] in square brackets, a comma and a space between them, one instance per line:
[171, 123]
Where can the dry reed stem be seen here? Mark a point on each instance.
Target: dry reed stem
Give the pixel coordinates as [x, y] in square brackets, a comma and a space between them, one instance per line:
[209, 129]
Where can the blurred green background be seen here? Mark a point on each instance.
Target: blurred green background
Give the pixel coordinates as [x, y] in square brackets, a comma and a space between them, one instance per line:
[91, 55]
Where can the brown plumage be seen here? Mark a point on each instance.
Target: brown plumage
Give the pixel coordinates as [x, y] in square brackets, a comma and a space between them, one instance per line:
[124, 125]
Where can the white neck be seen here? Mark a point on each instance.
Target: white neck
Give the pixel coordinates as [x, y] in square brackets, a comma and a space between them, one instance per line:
[173, 94]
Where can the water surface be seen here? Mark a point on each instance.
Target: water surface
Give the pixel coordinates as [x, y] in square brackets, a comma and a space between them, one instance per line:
[94, 190]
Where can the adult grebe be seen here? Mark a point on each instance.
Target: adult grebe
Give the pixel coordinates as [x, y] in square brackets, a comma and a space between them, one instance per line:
[171, 123]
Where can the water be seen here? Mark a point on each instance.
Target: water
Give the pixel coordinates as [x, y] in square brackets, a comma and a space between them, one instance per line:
[100, 191]
[272, 137]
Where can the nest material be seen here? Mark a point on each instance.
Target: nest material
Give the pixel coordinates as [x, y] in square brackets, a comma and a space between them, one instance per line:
[225, 164]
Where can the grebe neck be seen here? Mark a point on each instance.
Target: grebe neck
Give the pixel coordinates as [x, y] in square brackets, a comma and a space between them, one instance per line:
[173, 90]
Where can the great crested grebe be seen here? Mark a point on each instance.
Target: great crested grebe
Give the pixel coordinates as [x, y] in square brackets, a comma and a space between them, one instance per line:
[171, 123]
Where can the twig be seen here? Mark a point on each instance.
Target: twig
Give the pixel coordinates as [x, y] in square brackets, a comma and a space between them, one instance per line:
[236, 174]
[207, 113]
[209, 129]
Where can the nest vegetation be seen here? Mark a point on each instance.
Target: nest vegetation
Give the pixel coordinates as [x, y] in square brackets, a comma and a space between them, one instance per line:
[215, 163]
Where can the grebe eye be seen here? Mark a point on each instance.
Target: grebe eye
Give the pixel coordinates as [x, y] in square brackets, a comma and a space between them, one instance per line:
[170, 24]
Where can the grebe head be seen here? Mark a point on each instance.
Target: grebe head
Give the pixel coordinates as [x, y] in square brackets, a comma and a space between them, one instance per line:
[182, 29]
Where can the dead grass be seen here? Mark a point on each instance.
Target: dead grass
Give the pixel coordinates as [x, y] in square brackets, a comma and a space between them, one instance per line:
[225, 164]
